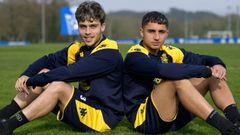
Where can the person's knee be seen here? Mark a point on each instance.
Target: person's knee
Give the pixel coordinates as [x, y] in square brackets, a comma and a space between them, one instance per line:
[180, 83]
[215, 83]
[58, 87]
[214, 80]
[61, 90]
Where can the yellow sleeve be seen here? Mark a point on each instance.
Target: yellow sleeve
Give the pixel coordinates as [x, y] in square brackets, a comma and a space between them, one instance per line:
[138, 48]
[106, 44]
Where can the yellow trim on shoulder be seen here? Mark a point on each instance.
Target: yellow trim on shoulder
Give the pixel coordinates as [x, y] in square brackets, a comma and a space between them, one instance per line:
[159, 114]
[141, 114]
[106, 44]
[91, 117]
[176, 54]
[138, 48]
[72, 50]
[60, 113]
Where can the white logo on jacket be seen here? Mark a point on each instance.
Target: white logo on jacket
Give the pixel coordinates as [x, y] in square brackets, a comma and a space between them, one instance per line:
[83, 98]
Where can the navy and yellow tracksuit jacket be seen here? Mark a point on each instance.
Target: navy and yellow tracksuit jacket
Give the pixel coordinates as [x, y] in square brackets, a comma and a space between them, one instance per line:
[98, 71]
[143, 70]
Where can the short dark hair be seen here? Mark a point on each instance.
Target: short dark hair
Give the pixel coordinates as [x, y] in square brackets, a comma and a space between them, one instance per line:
[90, 10]
[154, 17]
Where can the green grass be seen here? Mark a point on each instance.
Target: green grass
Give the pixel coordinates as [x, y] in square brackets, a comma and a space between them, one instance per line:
[15, 59]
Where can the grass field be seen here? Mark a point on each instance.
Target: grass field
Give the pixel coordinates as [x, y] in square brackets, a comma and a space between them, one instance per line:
[15, 59]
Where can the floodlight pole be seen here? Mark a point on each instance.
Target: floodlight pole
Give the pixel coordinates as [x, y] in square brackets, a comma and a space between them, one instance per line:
[229, 19]
[43, 23]
[237, 27]
[109, 30]
[186, 25]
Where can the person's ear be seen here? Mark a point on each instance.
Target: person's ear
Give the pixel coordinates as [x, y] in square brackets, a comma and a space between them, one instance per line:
[103, 26]
[141, 31]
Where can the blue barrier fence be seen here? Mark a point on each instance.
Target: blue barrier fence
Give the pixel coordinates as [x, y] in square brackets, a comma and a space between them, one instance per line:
[14, 43]
[234, 40]
[168, 41]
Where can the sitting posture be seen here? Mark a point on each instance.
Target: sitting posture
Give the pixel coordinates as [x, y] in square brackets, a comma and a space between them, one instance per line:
[96, 105]
[164, 86]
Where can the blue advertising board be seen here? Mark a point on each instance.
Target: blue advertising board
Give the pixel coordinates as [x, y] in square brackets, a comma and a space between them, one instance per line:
[14, 43]
[69, 26]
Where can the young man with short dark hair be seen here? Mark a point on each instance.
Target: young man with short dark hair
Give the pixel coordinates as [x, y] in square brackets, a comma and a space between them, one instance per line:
[164, 86]
[95, 63]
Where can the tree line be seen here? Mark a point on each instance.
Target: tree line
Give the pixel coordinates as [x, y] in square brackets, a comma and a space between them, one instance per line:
[21, 20]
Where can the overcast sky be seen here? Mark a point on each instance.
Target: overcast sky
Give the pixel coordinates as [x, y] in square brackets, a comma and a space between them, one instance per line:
[220, 7]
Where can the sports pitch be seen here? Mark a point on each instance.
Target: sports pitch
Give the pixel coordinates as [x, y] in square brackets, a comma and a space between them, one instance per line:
[15, 59]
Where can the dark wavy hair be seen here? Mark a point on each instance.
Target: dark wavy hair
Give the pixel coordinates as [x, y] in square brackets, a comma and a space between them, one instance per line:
[90, 11]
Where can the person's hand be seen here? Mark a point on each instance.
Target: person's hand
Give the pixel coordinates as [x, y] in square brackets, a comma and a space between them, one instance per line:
[219, 72]
[21, 86]
[44, 70]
